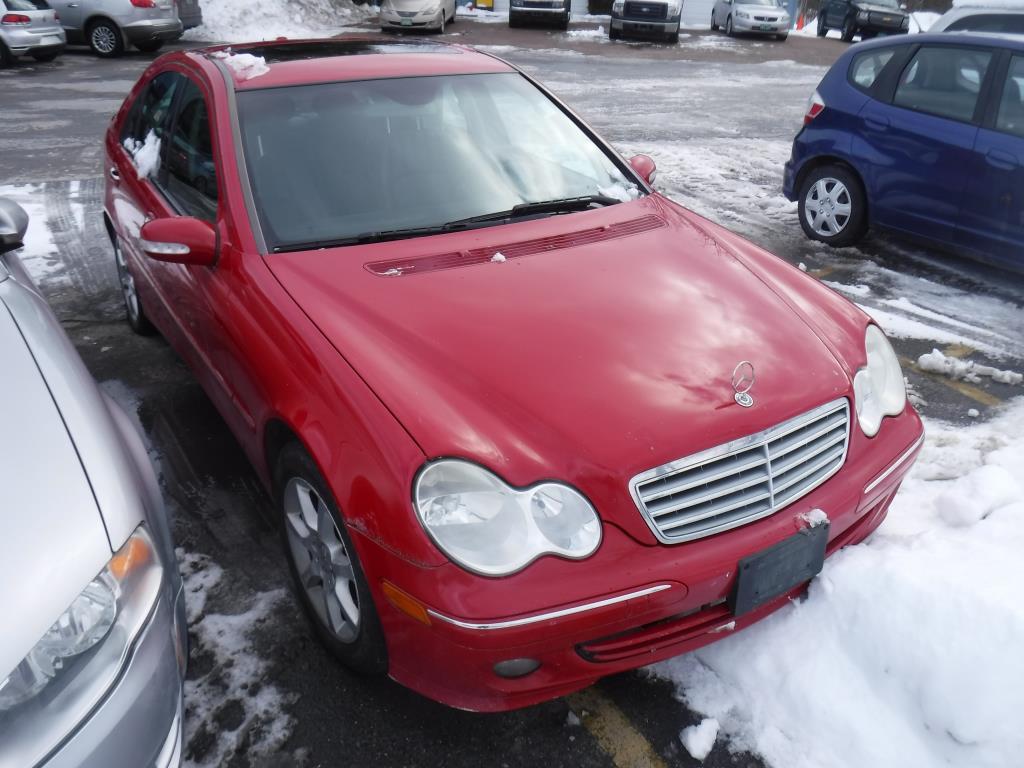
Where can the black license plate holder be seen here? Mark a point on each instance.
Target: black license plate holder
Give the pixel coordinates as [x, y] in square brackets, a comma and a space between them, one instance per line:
[774, 571]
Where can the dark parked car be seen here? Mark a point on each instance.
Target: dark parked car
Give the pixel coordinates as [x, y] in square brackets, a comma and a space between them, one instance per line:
[923, 135]
[867, 19]
[556, 11]
[189, 13]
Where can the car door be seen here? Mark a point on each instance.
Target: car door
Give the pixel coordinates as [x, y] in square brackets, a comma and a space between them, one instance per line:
[70, 12]
[992, 216]
[917, 147]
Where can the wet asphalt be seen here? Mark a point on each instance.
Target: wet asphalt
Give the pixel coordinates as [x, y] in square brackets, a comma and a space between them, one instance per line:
[682, 105]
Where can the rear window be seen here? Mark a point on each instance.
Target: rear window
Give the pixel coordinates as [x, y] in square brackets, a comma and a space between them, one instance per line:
[866, 67]
[1012, 23]
[24, 5]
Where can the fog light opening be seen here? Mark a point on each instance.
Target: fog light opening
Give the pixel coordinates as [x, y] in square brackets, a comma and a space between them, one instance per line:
[513, 668]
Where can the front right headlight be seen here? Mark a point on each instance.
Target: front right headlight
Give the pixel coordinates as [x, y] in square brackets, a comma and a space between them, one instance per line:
[618, 6]
[878, 389]
[491, 528]
[103, 618]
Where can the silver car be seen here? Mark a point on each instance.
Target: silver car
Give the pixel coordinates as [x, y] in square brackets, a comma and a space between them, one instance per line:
[759, 17]
[93, 646]
[110, 26]
[29, 28]
[1005, 20]
[416, 14]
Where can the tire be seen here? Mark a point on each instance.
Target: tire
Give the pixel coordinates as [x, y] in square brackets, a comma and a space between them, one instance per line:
[849, 30]
[151, 46]
[6, 59]
[105, 39]
[45, 57]
[782, 38]
[134, 311]
[563, 23]
[822, 28]
[714, 24]
[673, 38]
[440, 30]
[343, 614]
[613, 33]
[728, 26]
[832, 187]
[513, 21]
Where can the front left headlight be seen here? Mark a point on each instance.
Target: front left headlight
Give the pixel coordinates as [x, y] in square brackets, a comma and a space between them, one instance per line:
[863, 16]
[618, 6]
[489, 527]
[101, 619]
[878, 388]
[742, 15]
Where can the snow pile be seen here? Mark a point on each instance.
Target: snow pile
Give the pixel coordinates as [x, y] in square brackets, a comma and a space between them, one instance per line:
[481, 15]
[231, 712]
[594, 33]
[245, 65]
[906, 651]
[498, 257]
[620, 191]
[145, 154]
[699, 739]
[236, 21]
[968, 370]
[814, 518]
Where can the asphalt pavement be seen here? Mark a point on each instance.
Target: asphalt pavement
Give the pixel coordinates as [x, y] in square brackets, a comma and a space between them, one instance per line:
[717, 114]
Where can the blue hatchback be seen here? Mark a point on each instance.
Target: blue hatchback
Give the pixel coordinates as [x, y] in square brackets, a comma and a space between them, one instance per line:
[923, 135]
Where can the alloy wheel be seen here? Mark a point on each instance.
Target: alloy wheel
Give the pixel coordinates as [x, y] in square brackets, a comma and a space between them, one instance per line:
[131, 296]
[321, 560]
[827, 207]
[104, 39]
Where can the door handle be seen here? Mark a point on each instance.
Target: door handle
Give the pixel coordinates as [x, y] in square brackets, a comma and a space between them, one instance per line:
[1002, 160]
[115, 174]
[72, 5]
[877, 123]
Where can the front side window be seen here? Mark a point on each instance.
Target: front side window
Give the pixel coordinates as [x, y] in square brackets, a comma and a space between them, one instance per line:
[189, 174]
[867, 66]
[151, 109]
[944, 81]
[1011, 106]
[338, 162]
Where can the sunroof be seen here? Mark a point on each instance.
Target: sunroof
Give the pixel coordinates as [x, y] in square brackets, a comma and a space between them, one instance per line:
[280, 52]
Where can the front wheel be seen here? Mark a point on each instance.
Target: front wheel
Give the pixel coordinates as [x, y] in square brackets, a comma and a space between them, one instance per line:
[563, 23]
[151, 46]
[329, 579]
[849, 30]
[136, 315]
[613, 33]
[105, 39]
[673, 37]
[822, 27]
[832, 206]
[714, 24]
[782, 38]
[728, 26]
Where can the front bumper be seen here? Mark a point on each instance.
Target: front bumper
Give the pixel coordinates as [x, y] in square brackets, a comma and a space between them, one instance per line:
[638, 26]
[390, 19]
[754, 27]
[152, 30]
[522, 12]
[628, 606]
[22, 42]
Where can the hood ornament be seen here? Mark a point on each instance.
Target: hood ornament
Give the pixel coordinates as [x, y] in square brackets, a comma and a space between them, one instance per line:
[742, 381]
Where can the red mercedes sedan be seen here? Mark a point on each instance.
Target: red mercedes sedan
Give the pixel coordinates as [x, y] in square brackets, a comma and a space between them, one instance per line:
[527, 422]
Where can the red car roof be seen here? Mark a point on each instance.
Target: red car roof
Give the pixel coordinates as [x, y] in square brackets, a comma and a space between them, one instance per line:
[298, 62]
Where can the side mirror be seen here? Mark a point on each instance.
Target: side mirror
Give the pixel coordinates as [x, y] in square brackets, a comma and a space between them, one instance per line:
[13, 225]
[180, 240]
[645, 166]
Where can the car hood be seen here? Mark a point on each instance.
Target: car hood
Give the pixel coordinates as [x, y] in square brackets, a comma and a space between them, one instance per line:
[411, 5]
[606, 351]
[761, 10]
[52, 538]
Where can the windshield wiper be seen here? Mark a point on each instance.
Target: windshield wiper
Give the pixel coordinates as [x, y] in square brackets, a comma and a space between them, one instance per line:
[565, 205]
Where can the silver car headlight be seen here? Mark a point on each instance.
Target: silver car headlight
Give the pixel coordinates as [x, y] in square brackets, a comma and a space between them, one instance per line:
[878, 388]
[491, 528]
[120, 593]
[618, 6]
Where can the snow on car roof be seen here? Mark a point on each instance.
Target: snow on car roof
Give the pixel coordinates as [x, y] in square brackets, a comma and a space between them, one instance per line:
[294, 62]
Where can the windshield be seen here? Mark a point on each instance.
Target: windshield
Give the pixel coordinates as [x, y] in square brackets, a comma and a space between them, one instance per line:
[337, 161]
[25, 5]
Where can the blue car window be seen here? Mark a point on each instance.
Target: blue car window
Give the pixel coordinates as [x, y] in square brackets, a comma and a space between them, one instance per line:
[867, 66]
[944, 81]
[1011, 106]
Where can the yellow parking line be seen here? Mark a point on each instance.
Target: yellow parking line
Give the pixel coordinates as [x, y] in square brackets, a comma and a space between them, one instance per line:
[958, 350]
[821, 272]
[614, 732]
[976, 394]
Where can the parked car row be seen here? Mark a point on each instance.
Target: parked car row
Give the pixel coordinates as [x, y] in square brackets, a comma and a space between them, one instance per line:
[42, 28]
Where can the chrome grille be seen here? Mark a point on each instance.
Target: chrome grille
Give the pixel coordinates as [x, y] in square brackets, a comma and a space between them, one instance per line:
[739, 482]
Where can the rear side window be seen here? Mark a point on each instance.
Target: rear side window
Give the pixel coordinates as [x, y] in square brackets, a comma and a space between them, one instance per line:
[151, 109]
[189, 173]
[943, 81]
[867, 66]
[25, 5]
[1011, 107]
[1012, 23]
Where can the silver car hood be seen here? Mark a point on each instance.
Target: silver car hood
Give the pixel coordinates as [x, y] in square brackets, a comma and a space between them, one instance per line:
[52, 538]
[760, 10]
[412, 5]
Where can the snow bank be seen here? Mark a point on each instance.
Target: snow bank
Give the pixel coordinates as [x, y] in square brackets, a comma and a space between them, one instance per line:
[906, 651]
[236, 21]
[145, 154]
[968, 370]
[699, 739]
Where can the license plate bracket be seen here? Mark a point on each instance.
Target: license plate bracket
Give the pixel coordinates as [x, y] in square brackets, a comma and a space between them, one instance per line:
[774, 571]
[767, 28]
[406, 22]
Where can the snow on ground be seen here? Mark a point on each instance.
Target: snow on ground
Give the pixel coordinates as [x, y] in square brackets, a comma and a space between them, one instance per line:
[236, 21]
[699, 739]
[906, 651]
[481, 15]
[968, 370]
[231, 711]
[40, 256]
